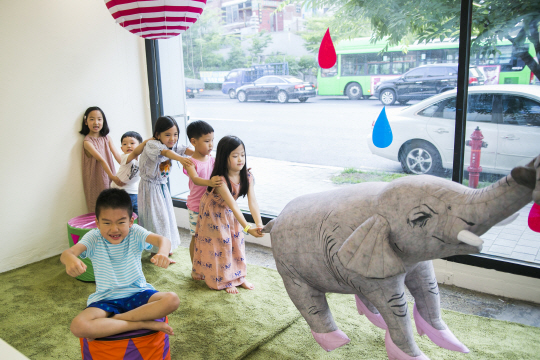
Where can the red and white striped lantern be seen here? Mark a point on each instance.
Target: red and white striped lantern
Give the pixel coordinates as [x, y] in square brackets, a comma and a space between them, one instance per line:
[156, 19]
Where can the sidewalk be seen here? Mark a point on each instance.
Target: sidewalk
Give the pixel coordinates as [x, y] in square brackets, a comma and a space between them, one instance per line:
[278, 182]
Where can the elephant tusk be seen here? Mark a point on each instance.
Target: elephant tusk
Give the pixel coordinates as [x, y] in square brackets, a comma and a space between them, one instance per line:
[469, 238]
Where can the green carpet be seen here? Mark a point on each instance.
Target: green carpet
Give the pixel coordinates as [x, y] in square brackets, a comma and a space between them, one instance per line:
[38, 302]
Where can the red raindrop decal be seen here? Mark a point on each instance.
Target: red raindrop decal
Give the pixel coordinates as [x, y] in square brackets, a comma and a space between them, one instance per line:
[534, 218]
[327, 52]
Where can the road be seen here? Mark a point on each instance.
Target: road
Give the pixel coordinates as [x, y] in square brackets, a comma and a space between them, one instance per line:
[323, 131]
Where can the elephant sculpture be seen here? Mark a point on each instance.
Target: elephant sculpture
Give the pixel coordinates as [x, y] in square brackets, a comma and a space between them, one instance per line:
[373, 239]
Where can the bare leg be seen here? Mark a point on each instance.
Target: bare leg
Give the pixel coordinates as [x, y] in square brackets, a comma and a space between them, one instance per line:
[159, 305]
[93, 323]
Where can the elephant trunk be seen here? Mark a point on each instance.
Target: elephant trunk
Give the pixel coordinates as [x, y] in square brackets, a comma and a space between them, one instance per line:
[488, 206]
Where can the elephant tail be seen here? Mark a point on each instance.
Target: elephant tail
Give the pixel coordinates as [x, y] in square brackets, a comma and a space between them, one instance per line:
[268, 227]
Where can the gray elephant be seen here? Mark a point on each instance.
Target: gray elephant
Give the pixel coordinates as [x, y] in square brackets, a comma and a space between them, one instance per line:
[373, 239]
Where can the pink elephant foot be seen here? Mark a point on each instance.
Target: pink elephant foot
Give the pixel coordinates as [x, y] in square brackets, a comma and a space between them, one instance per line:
[376, 319]
[332, 340]
[395, 353]
[442, 338]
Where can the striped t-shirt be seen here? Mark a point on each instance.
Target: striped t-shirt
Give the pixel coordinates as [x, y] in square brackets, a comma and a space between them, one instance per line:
[117, 268]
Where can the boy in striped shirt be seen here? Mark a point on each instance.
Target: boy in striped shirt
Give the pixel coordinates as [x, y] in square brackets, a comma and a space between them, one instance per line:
[123, 300]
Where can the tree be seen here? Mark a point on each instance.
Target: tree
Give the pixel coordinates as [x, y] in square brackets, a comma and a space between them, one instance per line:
[237, 58]
[298, 66]
[259, 42]
[398, 22]
[200, 44]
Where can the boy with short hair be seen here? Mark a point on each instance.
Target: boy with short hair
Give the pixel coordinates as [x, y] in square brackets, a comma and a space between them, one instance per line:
[123, 300]
[128, 172]
[201, 136]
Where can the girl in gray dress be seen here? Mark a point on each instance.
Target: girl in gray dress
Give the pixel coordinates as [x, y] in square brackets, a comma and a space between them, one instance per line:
[155, 204]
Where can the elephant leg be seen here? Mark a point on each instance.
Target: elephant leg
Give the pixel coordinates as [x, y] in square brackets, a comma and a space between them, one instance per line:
[389, 298]
[423, 286]
[366, 308]
[314, 308]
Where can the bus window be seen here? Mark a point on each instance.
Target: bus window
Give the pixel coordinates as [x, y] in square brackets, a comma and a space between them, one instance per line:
[401, 63]
[329, 72]
[353, 65]
[431, 57]
[377, 64]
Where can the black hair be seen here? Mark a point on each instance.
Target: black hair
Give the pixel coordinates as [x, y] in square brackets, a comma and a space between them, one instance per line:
[132, 134]
[221, 167]
[85, 130]
[198, 128]
[164, 123]
[114, 199]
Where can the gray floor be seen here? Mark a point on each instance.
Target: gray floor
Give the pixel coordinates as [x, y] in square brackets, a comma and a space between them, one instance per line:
[452, 298]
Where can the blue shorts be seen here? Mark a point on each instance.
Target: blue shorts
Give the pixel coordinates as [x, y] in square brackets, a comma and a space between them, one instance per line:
[119, 306]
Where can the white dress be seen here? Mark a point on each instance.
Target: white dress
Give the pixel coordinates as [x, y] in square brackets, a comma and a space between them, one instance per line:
[156, 212]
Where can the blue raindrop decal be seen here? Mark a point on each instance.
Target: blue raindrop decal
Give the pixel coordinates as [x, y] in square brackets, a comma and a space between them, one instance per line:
[382, 133]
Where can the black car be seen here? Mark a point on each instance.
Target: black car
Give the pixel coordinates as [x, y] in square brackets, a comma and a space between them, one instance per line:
[423, 82]
[281, 88]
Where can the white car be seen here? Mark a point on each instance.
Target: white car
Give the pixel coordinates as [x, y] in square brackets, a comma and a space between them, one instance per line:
[507, 115]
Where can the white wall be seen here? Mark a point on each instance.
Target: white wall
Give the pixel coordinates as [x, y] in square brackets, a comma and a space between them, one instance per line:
[57, 58]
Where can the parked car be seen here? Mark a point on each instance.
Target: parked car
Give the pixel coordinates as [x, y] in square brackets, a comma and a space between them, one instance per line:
[193, 87]
[507, 115]
[239, 77]
[423, 82]
[280, 88]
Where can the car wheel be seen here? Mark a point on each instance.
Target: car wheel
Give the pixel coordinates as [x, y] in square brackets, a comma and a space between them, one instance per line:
[388, 97]
[403, 102]
[302, 99]
[232, 94]
[354, 91]
[282, 97]
[242, 97]
[420, 157]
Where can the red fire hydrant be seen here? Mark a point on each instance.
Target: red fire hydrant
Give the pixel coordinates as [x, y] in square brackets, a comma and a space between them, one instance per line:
[474, 168]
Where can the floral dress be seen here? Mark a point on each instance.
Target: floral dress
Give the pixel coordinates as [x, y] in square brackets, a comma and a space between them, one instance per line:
[95, 179]
[219, 252]
[156, 212]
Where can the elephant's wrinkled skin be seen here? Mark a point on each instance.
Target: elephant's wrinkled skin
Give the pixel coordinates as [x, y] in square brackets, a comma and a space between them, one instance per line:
[373, 239]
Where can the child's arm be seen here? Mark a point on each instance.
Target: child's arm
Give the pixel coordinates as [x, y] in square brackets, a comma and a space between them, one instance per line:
[229, 200]
[115, 151]
[189, 152]
[96, 155]
[197, 180]
[161, 259]
[254, 207]
[137, 151]
[74, 265]
[174, 156]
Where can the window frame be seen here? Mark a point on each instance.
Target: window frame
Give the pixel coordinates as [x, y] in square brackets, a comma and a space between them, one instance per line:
[506, 265]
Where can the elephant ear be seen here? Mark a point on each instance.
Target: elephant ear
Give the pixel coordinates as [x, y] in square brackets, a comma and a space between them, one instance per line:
[368, 252]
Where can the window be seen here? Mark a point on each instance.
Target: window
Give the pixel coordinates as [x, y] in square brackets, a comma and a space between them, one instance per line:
[415, 74]
[430, 110]
[479, 107]
[378, 64]
[431, 57]
[438, 71]
[401, 63]
[353, 65]
[448, 110]
[329, 72]
[274, 80]
[452, 71]
[261, 81]
[520, 111]
[232, 75]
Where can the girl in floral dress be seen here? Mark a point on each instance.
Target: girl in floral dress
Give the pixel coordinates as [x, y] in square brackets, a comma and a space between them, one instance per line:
[219, 255]
[97, 156]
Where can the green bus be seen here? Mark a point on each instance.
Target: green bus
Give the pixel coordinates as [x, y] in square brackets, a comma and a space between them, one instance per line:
[360, 65]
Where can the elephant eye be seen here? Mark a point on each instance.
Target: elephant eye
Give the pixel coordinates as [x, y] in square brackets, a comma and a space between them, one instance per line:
[421, 219]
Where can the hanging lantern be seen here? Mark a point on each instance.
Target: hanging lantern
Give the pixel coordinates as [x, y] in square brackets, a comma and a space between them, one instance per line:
[156, 19]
